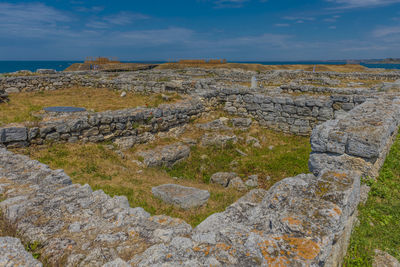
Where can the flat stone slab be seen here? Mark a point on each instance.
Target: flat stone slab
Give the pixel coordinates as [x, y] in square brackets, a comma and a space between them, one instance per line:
[181, 196]
[165, 155]
[64, 109]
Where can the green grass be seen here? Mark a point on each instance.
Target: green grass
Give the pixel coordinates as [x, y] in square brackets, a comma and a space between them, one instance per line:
[379, 217]
[287, 158]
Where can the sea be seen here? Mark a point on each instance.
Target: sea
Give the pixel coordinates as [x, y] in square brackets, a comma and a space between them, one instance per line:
[12, 66]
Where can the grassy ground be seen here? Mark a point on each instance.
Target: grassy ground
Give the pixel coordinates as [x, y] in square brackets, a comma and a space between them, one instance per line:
[22, 106]
[380, 216]
[280, 156]
[102, 168]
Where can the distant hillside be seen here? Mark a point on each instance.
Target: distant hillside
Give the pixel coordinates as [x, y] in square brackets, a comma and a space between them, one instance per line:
[375, 61]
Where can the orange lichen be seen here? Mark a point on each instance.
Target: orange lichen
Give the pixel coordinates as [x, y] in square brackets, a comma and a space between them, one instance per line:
[339, 175]
[168, 256]
[197, 249]
[337, 210]
[272, 260]
[291, 221]
[223, 246]
[307, 249]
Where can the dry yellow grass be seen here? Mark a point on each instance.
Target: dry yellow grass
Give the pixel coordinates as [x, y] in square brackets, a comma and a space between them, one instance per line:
[22, 105]
[103, 169]
[259, 67]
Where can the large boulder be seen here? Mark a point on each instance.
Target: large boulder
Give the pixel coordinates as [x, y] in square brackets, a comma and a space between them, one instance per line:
[181, 196]
[165, 155]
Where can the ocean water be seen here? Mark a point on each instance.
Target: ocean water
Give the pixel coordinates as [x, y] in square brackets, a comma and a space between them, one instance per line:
[11, 66]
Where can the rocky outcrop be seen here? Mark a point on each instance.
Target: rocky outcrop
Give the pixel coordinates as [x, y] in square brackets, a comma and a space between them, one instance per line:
[181, 196]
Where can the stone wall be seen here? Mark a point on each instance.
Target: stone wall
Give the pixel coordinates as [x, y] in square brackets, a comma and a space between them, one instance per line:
[135, 82]
[109, 125]
[309, 75]
[302, 220]
[164, 80]
[325, 90]
[287, 113]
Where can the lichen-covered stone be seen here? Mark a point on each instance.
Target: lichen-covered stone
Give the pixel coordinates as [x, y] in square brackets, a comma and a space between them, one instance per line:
[13, 253]
[181, 196]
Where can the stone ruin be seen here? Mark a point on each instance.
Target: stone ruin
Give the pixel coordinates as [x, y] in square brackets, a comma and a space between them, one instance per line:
[301, 221]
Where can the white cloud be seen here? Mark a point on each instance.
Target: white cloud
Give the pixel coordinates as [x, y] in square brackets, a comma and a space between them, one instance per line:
[282, 25]
[31, 19]
[332, 19]
[386, 31]
[124, 18]
[120, 19]
[299, 18]
[343, 4]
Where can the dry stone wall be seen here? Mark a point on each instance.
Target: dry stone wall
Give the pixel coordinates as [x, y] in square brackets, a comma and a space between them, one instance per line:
[301, 221]
[135, 82]
[109, 125]
[287, 113]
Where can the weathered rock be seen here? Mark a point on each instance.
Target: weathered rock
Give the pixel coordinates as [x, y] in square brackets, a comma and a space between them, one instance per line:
[223, 178]
[116, 263]
[13, 253]
[213, 125]
[237, 183]
[241, 122]
[253, 141]
[181, 196]
[252, 181]
[383, 259]
[165, 155]
[46, 71]
[13, 134]
[213, 139]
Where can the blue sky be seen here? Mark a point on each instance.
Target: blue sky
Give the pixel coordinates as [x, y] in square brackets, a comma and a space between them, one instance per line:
[238, 30]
